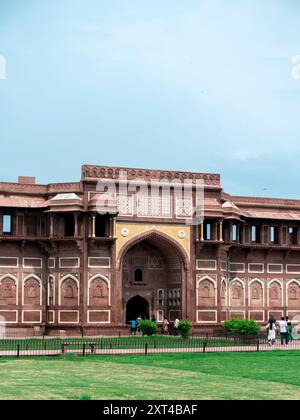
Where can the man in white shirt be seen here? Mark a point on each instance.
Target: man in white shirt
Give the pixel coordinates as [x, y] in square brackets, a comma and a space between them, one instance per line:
[283, 331]
[176, 325]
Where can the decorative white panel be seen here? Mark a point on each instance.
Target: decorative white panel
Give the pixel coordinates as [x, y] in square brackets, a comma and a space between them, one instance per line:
[184, 208]
[153, 206]
[124, 205]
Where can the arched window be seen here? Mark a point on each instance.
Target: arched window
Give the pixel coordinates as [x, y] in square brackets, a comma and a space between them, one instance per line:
[138, 276]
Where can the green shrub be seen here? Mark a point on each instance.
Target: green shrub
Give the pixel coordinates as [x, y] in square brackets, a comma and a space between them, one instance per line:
[242, 327]
[185, 328]
[148, 327]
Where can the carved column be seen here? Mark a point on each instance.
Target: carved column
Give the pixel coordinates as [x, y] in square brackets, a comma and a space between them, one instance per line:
[231, 232]
[221, 231]
[202, 232]
[93, 226]
[76, 216]
[51, 225]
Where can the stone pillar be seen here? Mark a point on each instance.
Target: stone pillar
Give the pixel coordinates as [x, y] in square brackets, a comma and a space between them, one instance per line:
[202, 232]
[238, 226]
[216, 236]
[231, 232]
[221, 231]
[93, 226]
[51, 225]
[76, 215]
[197, 233]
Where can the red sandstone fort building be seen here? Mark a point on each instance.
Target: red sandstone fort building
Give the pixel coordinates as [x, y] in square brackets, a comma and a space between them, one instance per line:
[64, 265]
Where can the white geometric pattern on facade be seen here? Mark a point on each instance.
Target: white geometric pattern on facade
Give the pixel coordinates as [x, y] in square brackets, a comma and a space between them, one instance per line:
[125, 205]
[153, 206]
[184, 207]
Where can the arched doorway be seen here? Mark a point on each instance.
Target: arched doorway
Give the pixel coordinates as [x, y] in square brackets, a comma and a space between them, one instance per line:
[153, 265]
[137, 307]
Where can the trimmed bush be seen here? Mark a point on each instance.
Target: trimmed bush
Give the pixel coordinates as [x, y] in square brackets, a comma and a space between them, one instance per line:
[185, 328]
[242, 327]
[148, 327]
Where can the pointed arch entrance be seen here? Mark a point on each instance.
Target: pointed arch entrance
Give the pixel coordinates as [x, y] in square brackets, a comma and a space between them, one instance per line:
[137, 307]
[154, 267]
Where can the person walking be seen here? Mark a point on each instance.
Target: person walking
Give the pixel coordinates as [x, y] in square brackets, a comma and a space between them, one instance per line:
[139, 321]
[165, 326]
[271, 332]
[290, 331]
[283, 326]
[133, 325]
[176, 325]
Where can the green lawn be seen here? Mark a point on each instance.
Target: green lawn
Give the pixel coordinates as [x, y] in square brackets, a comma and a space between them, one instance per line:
[272, 375]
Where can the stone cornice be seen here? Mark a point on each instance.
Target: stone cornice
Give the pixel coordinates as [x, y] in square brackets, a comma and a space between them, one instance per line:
[265, 202]
[90, 173]
[38, 190]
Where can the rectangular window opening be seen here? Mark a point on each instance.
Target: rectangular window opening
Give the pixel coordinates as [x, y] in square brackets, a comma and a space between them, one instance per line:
[7, 224]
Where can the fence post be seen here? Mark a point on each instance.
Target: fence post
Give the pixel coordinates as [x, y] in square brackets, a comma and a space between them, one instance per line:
[83, 350]
[18, 350]
[257, 345]
[146, 349]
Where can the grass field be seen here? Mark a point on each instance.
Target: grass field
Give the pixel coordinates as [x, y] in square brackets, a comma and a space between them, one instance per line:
[272, 375]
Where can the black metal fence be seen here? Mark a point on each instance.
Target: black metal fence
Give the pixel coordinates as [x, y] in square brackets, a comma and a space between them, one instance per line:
[138, 345]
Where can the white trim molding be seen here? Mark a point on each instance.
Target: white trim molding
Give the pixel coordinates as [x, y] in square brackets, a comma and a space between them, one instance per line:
[40, 260]
[9, 266]
[249, 290]
[51, 259]
[280, 271]
[62, 280]
[99, 311]
[53, 312]
[242, 283]
[198, 265]
[292, 265]
[99, 259]
[31, 322]
[39, 280]
[13, 278]
[231, 270]
[201, 280]
[224, 280]
[261, 271]
[215, 312]
[281, 288]
[297, 282]
[9, 310]
[235, 311]
[77, 265]
[51, 277]
[68, 311]
[103, 278]
[257, 311]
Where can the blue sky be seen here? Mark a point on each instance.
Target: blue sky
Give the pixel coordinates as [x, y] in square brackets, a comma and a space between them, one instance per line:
[200, 85]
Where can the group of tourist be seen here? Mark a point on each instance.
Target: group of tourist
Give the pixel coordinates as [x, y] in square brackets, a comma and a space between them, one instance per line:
[165, 328]
[135, 325]
[284, 327]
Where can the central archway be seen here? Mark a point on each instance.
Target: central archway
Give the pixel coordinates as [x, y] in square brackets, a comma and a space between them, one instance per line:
[155, 267]
[137, 307]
